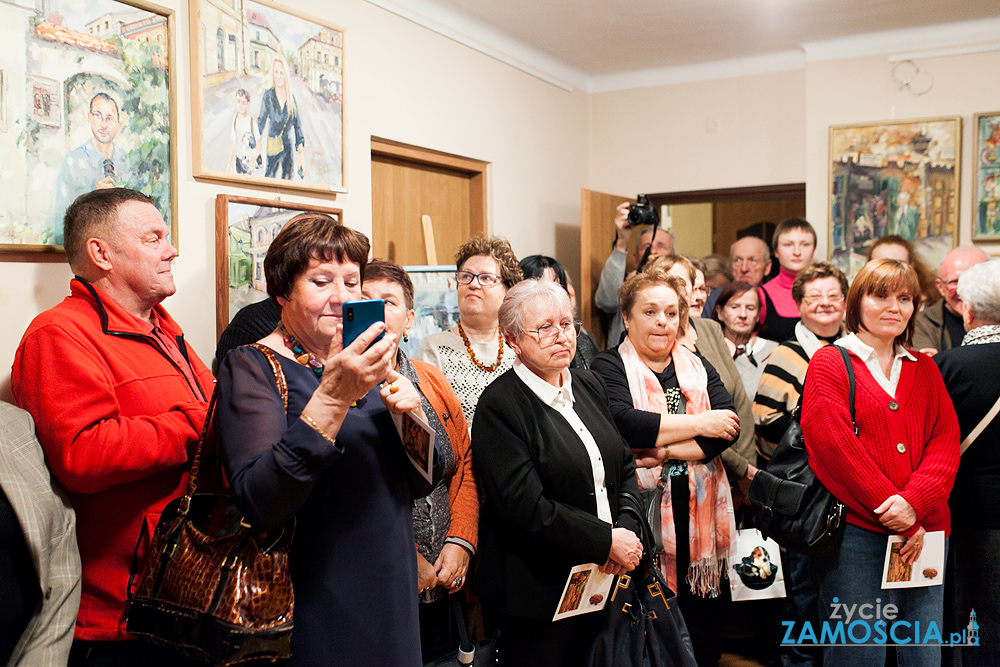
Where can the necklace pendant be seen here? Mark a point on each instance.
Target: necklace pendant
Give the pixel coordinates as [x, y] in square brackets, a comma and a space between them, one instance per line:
[304, 359]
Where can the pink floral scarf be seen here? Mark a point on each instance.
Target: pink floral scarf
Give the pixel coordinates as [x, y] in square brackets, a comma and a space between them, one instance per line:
[711, 526]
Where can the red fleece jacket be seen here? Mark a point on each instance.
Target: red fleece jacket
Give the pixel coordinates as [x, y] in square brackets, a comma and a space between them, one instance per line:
[118, 421]
[863, 470]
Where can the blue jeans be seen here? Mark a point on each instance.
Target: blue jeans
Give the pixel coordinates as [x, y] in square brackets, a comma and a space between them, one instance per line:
[800, 607]
[857, 580]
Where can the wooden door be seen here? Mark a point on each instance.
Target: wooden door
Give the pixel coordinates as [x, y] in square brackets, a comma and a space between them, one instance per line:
[597, 237]
[409, 182]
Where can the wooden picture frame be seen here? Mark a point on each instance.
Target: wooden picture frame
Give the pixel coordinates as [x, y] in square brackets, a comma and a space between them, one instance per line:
[894, 177]
[986, 176]
[244, 229]
[435, 302]
[267, 96]
[75, 61]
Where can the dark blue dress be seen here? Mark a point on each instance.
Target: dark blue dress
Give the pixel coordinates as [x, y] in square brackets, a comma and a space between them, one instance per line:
[353, 557]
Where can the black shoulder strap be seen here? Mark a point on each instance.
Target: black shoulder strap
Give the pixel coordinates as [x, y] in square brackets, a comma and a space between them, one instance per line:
[845, 355]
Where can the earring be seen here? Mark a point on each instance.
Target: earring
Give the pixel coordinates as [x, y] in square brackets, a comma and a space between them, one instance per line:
[406, 339]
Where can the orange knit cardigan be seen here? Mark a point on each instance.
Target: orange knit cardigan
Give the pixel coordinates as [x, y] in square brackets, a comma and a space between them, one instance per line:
[463, 492]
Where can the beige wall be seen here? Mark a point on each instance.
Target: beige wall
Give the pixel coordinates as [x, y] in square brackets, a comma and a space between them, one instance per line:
[860, 90]
[405, 83]
[662, 139]
[691, 225]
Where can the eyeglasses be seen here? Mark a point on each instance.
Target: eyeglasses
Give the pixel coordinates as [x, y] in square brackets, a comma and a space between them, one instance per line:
[548, 334]
[98, 117]
[485, 279]
[812, 299]
[749, 261]
[950, 284]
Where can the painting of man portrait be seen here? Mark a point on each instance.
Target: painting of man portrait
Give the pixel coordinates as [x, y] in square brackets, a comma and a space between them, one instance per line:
[95, 111]
[268, 85]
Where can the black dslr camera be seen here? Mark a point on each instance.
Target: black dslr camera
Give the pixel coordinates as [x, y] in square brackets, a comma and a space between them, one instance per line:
[642, 213]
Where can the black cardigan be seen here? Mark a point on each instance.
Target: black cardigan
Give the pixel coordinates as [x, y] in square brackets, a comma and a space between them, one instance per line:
[539, 518]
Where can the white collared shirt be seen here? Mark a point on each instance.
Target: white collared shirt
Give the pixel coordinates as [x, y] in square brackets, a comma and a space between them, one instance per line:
[560, 399]
[867, 354]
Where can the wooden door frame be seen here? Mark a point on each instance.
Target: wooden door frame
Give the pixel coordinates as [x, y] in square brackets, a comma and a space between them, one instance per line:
[476, 169]
[752, 193]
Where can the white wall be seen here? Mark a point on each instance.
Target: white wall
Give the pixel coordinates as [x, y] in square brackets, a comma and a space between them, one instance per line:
[404, 83]
[858, 90]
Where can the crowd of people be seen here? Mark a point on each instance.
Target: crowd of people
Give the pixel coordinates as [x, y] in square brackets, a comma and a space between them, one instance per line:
[539, 438]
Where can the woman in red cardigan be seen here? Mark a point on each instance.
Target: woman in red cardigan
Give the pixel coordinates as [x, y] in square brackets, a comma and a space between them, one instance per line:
[894, 476]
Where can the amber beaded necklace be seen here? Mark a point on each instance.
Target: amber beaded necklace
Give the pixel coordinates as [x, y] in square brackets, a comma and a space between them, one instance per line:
[307, 359]
[472, 354]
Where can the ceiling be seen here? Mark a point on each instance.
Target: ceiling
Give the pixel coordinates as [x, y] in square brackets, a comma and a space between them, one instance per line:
[596, 38]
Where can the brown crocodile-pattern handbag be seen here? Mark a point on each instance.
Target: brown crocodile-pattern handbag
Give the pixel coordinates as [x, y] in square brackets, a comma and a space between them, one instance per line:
[214, 588]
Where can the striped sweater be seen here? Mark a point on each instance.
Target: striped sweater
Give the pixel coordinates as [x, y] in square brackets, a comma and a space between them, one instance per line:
[778, 394]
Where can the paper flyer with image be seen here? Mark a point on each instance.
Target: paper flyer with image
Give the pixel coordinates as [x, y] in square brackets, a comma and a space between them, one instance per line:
[927, 570]
[418, 441]
[586, 590]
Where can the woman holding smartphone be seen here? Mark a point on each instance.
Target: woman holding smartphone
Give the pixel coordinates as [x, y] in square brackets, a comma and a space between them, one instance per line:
[330, 461]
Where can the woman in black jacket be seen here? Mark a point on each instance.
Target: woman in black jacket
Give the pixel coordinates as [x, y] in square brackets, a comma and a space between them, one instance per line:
[551, 464]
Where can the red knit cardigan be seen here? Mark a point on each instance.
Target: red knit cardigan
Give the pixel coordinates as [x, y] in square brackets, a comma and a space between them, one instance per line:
[906, 446]
[463, 493]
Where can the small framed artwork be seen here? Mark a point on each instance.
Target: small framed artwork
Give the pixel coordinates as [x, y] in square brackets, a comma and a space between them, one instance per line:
[986, 177]
[97, 111]
[435, 301]
[894, 177]
[244, 229]
[267, 96]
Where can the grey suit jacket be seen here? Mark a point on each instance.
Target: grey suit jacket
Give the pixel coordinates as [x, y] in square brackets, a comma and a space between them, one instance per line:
[712, 345]
[929, 329]
[49, 526]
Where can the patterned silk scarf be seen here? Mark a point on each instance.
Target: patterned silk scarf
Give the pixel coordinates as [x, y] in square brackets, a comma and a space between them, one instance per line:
[711, 526]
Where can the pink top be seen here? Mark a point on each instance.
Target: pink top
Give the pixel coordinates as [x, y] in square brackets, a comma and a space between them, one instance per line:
[779, 289]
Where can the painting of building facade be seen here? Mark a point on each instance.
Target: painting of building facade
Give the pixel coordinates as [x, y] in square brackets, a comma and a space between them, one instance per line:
[268, 96]
[87, 106]
[899, 177]
[245, 228]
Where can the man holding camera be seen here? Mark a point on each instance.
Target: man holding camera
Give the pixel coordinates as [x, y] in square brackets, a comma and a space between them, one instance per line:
[657, 241]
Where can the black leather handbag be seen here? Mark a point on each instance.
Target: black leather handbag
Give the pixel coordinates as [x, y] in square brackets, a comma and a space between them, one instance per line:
[790, 504]
[642, 625]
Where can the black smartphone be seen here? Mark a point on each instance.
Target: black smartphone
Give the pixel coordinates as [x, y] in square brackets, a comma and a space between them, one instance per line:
[359, 315]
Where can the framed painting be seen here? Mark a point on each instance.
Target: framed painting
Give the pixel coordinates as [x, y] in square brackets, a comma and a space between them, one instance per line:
[244, 229]
[267, 96]
[986, 177]
[895, 177]
[88, 100]
[435, 301]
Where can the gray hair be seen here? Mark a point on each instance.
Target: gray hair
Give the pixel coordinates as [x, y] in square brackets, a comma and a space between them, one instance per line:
[979, 288]
[511, 315]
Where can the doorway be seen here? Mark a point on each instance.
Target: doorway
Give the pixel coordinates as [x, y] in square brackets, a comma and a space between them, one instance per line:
[409, 182]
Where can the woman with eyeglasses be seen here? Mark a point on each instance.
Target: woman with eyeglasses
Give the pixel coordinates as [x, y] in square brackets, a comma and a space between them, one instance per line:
[819, 291]
[551, 464]
[675, 413]
[472, 353]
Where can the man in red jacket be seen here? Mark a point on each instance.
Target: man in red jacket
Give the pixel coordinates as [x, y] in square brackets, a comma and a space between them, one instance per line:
[118, 399]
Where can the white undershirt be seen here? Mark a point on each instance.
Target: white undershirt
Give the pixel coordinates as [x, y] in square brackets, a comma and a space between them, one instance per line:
[852, 343]
[560, 399]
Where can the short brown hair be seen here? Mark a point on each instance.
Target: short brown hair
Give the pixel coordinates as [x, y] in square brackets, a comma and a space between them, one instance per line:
[735, 290]
[880, 277]
[497, 248]
[666, 262]
[310, 236]
[94, 214]
[815, 272]
[788, 225]
[381, 269]
[628, 293]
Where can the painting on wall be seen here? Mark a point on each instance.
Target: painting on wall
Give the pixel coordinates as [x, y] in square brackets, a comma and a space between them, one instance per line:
[267, 96]
[896, 177]
[244, 229]
[435, 302]
[87, 103]
[986, 177]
